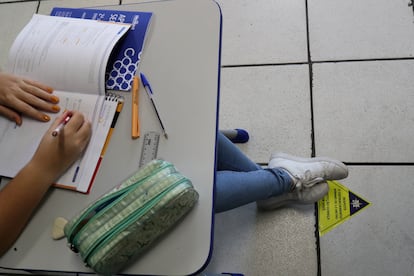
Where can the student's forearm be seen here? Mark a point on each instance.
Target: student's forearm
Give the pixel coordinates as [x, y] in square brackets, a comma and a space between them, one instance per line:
[18, 200]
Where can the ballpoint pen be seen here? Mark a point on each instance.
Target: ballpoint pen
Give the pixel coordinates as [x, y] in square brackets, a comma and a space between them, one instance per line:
[147, 87]
[61, 125]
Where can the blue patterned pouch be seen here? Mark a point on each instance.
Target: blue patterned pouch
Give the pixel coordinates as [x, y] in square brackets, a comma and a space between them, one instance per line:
[120, 225]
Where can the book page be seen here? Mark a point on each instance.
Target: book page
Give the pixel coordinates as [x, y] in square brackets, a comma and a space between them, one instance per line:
[19, 143]
[88, 163]
[67, 54]
[123, 64]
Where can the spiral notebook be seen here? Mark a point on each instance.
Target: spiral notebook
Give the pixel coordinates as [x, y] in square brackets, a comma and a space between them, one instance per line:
[18, 144]
[71, 56]
[81, 175]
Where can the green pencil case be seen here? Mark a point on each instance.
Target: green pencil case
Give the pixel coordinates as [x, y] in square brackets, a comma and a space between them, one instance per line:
[119, 226]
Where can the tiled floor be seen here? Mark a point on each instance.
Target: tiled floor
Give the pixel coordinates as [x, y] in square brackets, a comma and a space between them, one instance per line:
[309, 77]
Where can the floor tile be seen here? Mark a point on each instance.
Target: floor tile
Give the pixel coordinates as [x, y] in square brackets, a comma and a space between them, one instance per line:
[363, 111]
[265, 243]
[273, 104]
[356, 29]
[46, 6]
[262, 31]
[379, 240]
[9, 30]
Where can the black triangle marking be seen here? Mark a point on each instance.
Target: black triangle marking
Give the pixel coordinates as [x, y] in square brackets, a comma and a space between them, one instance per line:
[356, 203]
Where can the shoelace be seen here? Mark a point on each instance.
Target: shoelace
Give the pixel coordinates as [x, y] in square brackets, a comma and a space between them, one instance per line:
[307, 181]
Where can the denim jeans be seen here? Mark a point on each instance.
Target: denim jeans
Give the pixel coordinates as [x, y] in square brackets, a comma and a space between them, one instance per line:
[240, 181]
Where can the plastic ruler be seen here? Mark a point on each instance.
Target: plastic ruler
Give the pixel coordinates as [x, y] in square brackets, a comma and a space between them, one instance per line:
[149, 147]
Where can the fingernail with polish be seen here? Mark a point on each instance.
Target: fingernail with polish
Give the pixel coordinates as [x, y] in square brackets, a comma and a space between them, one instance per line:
[54, 99]
[56, 108]
[46, 118]
[18, 121]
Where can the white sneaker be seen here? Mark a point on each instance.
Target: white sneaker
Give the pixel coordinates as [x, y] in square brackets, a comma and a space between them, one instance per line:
[308, 179]
[304, 196]
[306, 172]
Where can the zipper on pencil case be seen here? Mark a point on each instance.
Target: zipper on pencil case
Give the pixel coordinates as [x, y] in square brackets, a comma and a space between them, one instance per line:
[96, 205]
[148, 170]
[84, 219]
[98, 244]
[105, 203]
[88, 234]
[132, 219]
[86, 239]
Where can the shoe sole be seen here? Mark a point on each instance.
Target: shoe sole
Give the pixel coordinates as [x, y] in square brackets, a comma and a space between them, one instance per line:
[278, 202]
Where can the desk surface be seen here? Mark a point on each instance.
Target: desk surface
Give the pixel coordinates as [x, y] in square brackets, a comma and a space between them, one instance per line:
[181, 58]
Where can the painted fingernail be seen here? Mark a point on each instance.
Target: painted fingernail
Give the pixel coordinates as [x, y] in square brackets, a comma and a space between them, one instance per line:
[18, 121]
[56, 108]
[46, 118]
[54, 99]
[49, 89]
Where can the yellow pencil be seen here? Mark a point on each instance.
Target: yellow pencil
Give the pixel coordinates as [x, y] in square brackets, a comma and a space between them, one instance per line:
[135, 130]
[117, 112]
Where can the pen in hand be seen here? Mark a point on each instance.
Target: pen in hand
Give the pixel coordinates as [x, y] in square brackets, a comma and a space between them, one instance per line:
[59, 128]
[147, 87]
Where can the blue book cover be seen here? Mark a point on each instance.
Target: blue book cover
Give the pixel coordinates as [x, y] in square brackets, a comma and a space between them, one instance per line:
[123, 64]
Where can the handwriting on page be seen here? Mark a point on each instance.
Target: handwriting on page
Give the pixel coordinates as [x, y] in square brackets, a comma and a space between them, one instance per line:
[57, 51]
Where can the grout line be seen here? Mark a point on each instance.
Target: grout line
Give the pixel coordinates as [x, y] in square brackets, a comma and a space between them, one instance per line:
[364, 60]
[317, 62]
[379, 164]
[313, 146]
[264, 64]
[362, 164]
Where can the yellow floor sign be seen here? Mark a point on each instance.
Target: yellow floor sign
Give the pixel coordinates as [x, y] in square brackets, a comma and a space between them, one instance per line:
[337, 206]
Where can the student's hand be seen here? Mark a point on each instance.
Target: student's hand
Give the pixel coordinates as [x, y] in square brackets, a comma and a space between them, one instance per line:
[22, 96]
[55, 154]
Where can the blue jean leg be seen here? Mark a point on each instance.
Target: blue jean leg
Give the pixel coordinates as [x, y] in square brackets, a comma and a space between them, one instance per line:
[240, 181]
[231, 158]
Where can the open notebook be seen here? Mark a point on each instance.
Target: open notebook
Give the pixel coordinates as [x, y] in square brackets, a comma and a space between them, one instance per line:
[123, 65]
[71, 56]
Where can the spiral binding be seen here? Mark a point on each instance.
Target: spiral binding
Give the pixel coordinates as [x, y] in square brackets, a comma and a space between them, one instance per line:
[114, 97]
